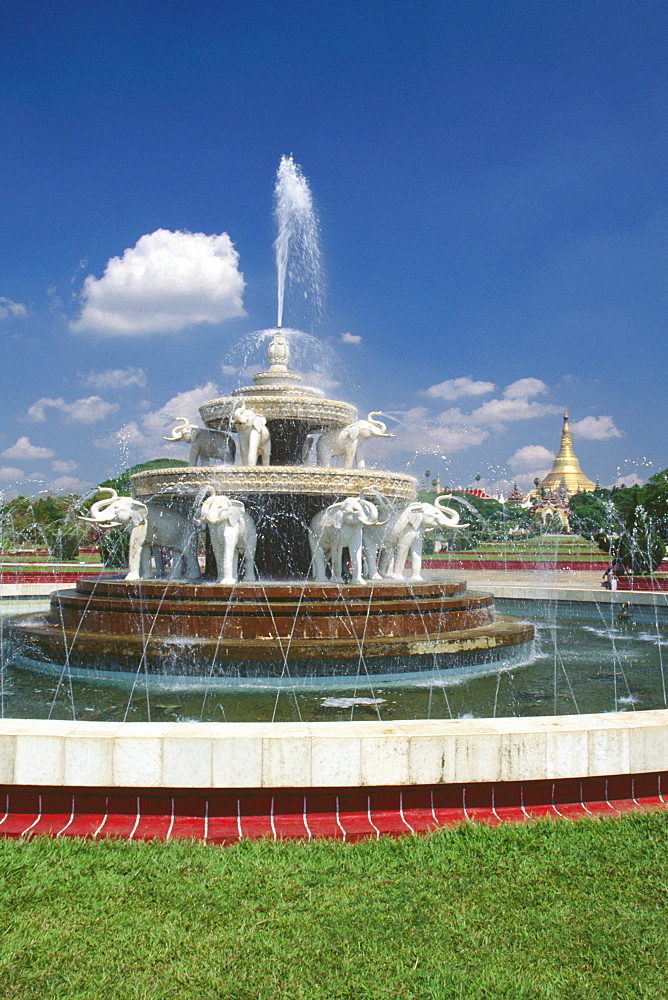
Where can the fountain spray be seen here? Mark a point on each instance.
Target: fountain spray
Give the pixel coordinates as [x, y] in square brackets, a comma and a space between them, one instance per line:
[297, 246]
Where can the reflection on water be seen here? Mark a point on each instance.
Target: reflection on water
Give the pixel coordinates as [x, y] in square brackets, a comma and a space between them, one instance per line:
[587, 659]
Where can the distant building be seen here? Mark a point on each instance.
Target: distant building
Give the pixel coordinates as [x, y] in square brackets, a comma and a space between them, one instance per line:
[475, 493]
[565, 477]
[515, 496]
[552, 504]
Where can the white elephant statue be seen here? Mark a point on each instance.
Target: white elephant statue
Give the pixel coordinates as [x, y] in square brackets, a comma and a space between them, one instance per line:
[337, 527]
[254, 437]
[232, 532]
[151, 527]
[204, 443]
[348, 441]
[401, 538]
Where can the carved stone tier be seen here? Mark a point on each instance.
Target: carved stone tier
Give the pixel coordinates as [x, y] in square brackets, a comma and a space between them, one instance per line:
[281, 500]
[184, 483]
[296, 403]
[251, 630]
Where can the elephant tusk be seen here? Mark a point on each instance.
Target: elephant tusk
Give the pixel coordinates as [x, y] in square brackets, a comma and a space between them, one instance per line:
[100, 524]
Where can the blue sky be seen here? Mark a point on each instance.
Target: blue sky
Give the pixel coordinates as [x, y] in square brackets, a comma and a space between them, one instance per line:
[491, 185]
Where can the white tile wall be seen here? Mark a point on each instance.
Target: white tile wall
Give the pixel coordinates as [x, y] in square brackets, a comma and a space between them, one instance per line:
[202, 755]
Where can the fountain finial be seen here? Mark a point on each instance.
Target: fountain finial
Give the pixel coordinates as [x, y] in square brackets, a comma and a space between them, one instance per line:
[278, 377]
[279, 352]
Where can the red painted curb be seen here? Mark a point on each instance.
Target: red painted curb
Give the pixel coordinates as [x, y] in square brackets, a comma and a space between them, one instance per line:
[223, 816]
[646, 583]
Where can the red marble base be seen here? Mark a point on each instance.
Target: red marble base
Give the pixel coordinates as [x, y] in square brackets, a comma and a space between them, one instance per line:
[652, 583]
[224, 816]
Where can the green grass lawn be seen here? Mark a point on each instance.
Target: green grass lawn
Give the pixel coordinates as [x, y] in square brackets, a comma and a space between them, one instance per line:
[566, 547]
[29, 560]
[555, 909]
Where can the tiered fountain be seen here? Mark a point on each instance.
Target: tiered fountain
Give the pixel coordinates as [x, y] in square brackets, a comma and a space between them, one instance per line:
[296, 531]
[282, 536]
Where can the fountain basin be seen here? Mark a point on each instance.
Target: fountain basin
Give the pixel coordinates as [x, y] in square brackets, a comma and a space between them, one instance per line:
[318, 632]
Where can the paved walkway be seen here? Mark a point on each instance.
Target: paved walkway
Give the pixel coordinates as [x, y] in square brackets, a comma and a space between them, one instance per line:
[557, 584]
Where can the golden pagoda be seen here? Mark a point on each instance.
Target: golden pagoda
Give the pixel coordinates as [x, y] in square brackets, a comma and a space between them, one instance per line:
[566, 469]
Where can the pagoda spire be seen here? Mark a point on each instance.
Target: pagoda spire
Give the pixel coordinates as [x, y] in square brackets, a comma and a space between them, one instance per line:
[566, 467]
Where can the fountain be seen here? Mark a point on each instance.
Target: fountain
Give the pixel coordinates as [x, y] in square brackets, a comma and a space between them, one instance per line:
[297, 523]
[303, 589]
[295, 528]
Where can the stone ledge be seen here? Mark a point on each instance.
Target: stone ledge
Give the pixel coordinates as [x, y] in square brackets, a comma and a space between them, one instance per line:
[330, 754]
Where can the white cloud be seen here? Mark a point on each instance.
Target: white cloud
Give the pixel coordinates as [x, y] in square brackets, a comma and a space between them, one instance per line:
[184, 404]
[67, 484]
[115, 378]
[630, 480]
[498, 411]
[8, 474]
[524, 388]
[63, 467]
[531, 456]
[595, 428]
[317, 379]
[127, 436]
[145, 438]
[166, 282]
[351, 338]
[446, 433]
[23, 449]
[9, 308]
[453, 388]
[82, 411]
[454, 430]
[526, 480]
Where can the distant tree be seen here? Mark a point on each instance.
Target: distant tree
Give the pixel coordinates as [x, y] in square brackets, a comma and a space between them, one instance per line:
[553, 525]
[64, 544]
[114, 546]
[47, 521]
[654, 496]
[588, 514]
[640, 546]
[122, 482]
[638, 543]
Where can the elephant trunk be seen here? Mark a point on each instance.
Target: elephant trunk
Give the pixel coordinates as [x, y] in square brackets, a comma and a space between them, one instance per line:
[98, 510]
[177, 433]
[369, 513]
[382, 432]
[451, 515]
